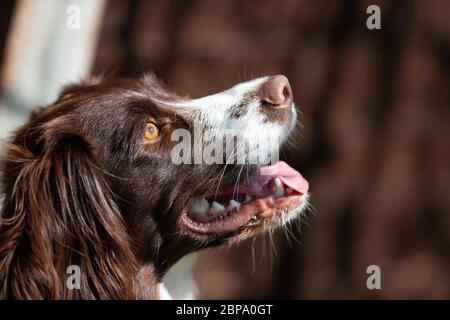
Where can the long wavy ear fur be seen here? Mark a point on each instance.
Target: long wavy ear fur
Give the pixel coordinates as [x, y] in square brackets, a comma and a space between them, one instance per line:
[58, 211]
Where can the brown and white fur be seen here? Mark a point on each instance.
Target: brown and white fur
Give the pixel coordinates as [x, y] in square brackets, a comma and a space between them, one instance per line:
[83, 186]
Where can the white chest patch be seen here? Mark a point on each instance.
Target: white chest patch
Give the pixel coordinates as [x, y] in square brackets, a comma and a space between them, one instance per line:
[179, 283]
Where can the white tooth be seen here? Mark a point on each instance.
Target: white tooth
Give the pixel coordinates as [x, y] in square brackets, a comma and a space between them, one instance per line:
[200, 206]
[279, 188]
[216, 207]
[248, 198]
[233, 204]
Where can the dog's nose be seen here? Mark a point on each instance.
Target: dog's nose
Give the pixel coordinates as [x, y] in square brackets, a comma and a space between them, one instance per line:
[276, 91]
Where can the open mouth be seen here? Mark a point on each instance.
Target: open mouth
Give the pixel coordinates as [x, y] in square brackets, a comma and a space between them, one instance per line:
[271, 192]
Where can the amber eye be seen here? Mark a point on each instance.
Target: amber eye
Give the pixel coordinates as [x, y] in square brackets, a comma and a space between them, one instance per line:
[151, 131]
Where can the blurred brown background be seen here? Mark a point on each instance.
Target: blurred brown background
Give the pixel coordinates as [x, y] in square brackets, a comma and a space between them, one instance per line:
[374, 144]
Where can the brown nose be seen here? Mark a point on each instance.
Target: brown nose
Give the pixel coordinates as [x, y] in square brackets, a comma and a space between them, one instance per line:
[277, 91]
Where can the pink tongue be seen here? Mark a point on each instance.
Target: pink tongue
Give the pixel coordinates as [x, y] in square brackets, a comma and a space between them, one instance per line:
[258, 183]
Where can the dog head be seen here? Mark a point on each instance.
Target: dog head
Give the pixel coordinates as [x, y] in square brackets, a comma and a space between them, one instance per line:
[152, 173]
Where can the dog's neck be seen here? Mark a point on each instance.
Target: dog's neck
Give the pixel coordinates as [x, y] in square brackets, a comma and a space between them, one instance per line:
[178, 283]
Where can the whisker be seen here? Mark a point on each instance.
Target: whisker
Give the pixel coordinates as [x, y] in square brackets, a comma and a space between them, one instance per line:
[263, 250]
[272, 242]
[253, 256]
[223, 172]
[236, 185]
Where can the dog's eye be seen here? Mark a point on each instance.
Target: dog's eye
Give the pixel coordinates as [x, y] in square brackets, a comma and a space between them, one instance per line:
[151, 131]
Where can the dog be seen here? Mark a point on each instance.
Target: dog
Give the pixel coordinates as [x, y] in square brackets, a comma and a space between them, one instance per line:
[92, 182]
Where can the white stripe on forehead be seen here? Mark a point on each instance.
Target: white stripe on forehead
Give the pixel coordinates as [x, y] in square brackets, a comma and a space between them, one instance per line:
[213, 115]
[215, 110]
[212, 109]
[227, 97]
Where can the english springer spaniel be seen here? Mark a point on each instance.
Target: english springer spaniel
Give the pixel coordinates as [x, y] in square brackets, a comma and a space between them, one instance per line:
[122, 178]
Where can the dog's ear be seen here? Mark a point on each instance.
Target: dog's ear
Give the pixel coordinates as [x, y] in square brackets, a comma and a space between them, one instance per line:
[61, 233]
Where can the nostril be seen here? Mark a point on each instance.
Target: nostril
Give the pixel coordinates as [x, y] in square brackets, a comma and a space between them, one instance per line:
[286, 93]
[276, 91]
